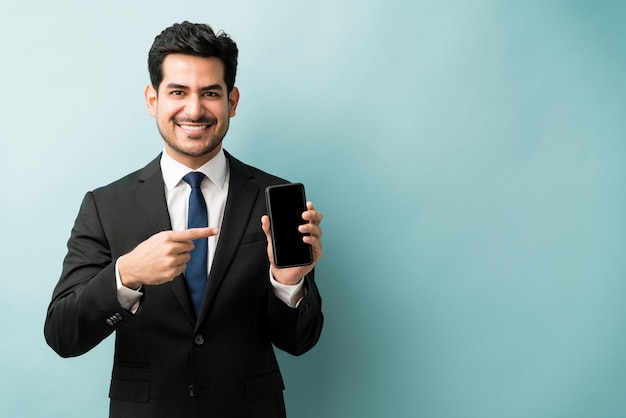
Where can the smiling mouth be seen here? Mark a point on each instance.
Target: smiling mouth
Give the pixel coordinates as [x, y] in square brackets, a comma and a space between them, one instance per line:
[194, 128]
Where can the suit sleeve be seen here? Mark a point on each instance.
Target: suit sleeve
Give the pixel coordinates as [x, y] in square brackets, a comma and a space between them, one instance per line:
[297, 330]
[84, 309]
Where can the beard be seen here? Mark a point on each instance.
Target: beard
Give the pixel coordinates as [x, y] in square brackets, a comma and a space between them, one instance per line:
[215, 140]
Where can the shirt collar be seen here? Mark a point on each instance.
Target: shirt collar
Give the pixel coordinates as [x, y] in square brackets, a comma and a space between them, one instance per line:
[215, 169]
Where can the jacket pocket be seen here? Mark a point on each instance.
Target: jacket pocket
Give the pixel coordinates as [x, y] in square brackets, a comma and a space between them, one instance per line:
[263, 386]
[253, 237]
[131, 382]
[129, 390]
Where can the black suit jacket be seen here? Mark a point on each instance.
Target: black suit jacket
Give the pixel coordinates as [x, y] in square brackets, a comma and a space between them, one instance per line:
[168, 363]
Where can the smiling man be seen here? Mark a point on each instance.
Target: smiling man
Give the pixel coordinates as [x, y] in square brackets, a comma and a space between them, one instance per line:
[175, 258]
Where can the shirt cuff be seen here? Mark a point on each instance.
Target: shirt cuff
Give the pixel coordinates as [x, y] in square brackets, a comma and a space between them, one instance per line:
[127, 297]
[291, 295]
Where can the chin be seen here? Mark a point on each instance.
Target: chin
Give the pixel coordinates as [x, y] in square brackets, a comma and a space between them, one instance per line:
[201, 152]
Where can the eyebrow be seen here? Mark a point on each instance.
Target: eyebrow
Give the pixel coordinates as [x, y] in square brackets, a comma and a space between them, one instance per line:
[183, 87]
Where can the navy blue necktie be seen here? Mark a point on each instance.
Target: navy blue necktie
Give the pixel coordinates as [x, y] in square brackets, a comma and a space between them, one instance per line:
[196, 272]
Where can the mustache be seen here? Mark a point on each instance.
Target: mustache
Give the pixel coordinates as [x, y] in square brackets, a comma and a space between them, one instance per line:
[205, 120]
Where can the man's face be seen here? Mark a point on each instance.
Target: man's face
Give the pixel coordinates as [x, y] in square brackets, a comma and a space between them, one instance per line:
[192, 107]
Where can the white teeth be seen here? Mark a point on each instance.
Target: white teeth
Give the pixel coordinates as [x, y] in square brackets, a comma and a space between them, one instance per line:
[194, 127]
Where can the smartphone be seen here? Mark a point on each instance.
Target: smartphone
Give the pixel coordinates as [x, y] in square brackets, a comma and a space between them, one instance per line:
[285, 204]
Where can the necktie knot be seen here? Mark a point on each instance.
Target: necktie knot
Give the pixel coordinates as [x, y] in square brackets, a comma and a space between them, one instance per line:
[194, 179]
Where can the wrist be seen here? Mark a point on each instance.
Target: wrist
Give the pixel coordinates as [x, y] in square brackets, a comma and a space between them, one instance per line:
[125, 276]
[286, 281]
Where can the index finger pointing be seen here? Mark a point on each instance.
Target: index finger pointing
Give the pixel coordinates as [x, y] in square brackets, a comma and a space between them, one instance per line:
[194, 233]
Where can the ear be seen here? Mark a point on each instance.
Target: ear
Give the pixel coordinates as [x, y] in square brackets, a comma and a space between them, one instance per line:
[151, 100]
[233, 100]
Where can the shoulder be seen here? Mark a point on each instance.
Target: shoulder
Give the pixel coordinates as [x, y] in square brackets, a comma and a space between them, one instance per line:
[251, 173]
[132, 180]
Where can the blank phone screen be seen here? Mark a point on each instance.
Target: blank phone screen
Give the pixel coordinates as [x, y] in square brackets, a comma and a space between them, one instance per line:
[285, 205]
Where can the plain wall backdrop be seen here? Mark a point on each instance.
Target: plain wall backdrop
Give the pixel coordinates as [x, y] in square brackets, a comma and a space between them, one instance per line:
[469, 158]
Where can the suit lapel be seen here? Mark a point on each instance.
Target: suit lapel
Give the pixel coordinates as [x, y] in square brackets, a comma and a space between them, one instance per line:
[151, 203]
[150, 199]
[242, 195]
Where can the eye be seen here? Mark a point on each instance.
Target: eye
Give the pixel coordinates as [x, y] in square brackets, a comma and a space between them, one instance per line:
[211, 94]
[176, 93]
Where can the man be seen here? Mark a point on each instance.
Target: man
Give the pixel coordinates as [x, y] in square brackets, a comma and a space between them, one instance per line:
[187, 346]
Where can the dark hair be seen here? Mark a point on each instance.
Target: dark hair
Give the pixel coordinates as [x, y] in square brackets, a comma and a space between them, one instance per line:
[192, 39]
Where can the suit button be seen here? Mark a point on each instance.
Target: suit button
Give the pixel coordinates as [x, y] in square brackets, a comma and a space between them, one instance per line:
[109, 321]
[119, 317]
[198, 339]
[190, 390]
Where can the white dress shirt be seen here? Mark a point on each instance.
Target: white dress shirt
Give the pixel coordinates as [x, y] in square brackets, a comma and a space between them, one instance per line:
[215, 191]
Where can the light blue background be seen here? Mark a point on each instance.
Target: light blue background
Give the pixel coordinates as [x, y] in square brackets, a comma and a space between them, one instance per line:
[469, 157]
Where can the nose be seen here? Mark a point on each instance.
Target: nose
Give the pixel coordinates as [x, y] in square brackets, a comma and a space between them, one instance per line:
[194, 108]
